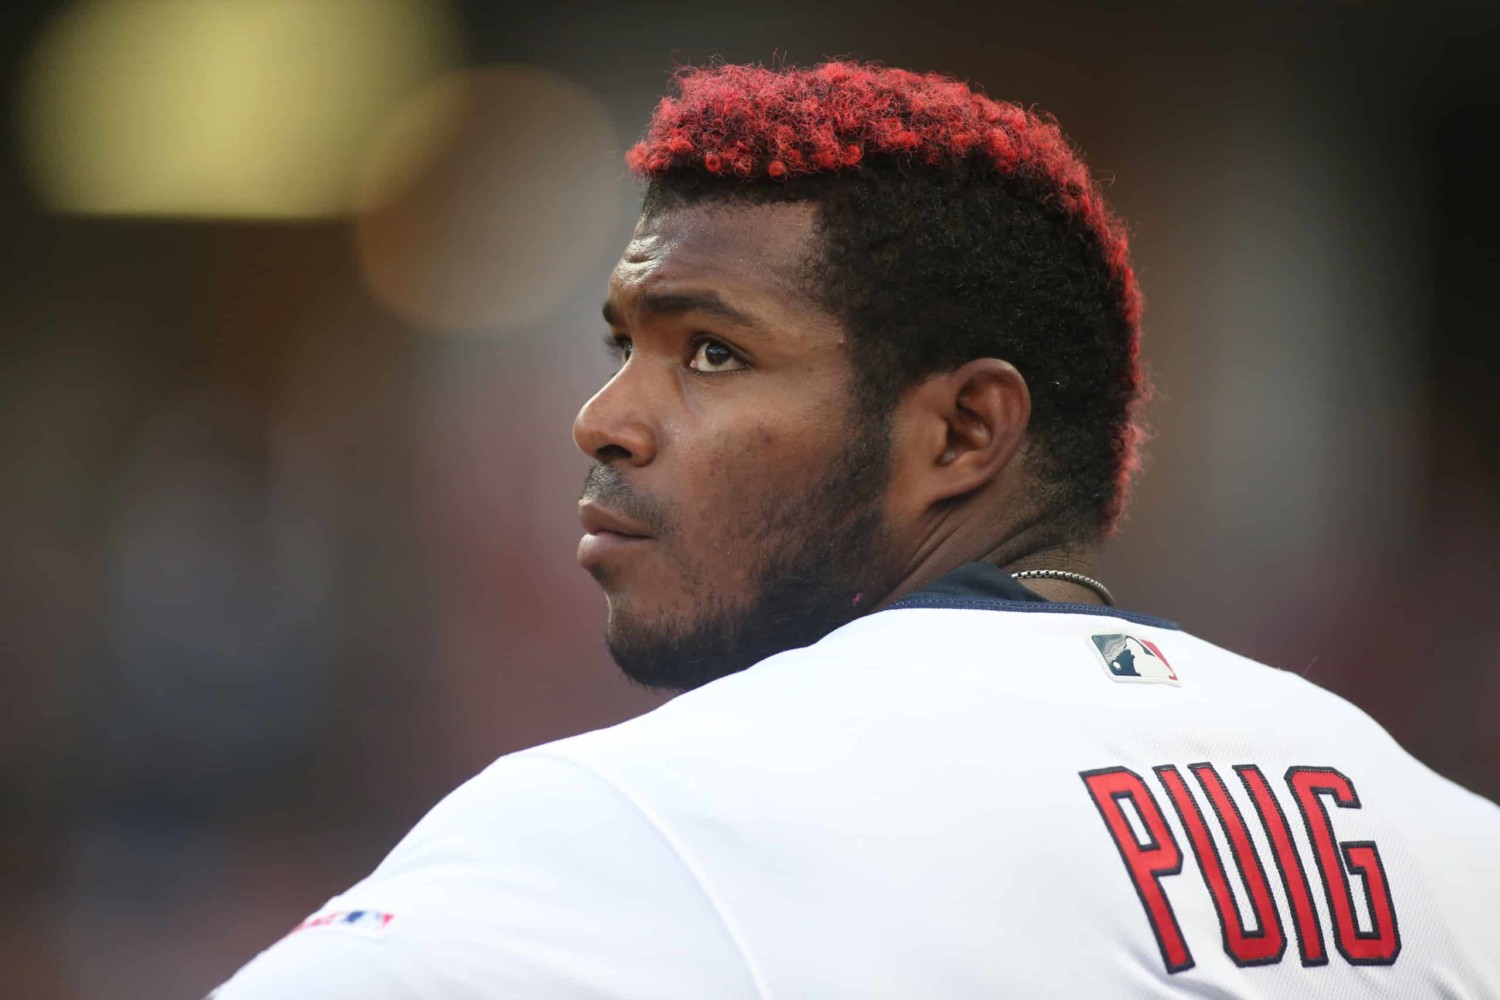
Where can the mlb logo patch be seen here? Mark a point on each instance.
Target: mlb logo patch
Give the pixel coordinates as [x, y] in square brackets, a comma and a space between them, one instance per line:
[365, 922]
[1130, 659]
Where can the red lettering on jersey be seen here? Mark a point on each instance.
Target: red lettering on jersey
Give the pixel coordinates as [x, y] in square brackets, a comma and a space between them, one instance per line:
[1288, 863]
[1146, 862]
[1265, 944]
[1336, 860]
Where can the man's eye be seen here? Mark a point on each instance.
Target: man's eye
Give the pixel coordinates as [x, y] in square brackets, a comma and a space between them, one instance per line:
[619, 347]
[712, 356]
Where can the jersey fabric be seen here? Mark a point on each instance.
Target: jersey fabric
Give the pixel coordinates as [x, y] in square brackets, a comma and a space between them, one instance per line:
[973, 793]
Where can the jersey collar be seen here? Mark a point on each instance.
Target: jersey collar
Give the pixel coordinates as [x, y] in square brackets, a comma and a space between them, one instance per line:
[982, 586]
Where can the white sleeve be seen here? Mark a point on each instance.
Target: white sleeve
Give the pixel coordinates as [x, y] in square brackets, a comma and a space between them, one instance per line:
[535, 879]
[301, 965]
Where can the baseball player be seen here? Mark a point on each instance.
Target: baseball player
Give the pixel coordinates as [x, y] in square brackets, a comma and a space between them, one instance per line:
[873, 418]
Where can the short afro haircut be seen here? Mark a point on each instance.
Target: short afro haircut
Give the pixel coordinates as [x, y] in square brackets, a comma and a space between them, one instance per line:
[952, 227]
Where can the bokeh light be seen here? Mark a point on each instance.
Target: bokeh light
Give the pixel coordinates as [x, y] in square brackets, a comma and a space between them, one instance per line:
[487, 196]
[230, 108]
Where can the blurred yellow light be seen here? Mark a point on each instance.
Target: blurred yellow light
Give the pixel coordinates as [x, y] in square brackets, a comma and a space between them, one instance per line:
[243, 108]
[489, 196]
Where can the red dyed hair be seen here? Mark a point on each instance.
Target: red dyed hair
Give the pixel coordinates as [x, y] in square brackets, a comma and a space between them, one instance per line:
[750, 123]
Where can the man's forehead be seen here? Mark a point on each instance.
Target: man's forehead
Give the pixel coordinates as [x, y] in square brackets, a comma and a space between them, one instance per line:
[739, 248]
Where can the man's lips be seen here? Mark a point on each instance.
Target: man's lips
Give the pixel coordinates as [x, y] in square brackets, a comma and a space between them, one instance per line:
[607, 534]
[596, 519]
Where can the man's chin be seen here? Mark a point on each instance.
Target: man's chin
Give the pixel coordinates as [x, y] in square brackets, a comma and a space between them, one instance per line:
[670, 654]
[655, 669]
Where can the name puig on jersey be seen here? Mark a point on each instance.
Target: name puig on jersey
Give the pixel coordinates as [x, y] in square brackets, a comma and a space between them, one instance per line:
[1150, 851]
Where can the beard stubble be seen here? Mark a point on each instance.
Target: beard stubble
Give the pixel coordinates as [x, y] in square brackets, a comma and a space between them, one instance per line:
[821, 560]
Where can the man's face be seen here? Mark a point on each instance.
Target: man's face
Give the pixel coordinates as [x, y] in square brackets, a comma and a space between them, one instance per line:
[735, 507]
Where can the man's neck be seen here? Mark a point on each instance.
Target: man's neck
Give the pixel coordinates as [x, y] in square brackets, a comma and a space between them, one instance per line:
[1030, 545]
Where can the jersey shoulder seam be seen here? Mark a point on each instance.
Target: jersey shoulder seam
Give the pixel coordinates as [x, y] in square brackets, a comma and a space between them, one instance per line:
[679, 852]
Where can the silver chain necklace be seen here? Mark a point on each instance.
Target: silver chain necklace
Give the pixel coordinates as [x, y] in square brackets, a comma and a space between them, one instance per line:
[1069, 576]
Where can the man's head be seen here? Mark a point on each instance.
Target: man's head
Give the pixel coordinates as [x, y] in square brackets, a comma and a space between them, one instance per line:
[870, 323]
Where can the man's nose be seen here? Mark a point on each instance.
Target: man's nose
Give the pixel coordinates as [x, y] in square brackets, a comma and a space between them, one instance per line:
[613, 426]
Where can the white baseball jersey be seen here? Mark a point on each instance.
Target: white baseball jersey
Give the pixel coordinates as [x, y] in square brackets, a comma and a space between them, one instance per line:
[974, 793]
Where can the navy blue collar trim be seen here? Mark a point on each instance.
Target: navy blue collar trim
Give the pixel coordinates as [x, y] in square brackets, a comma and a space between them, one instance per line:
[985, 587]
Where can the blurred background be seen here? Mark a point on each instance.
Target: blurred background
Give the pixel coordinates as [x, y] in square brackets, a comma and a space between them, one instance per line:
[300, 298]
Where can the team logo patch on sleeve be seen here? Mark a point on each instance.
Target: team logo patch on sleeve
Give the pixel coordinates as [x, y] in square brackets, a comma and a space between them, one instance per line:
[1130, 659]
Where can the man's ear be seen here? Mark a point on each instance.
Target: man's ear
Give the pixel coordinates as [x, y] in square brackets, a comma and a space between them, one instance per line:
[964, 427]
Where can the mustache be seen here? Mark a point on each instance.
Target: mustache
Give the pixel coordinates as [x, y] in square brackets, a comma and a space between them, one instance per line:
[606, 486]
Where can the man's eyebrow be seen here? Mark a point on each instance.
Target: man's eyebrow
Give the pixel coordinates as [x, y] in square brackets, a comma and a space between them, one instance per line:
[655, 305]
